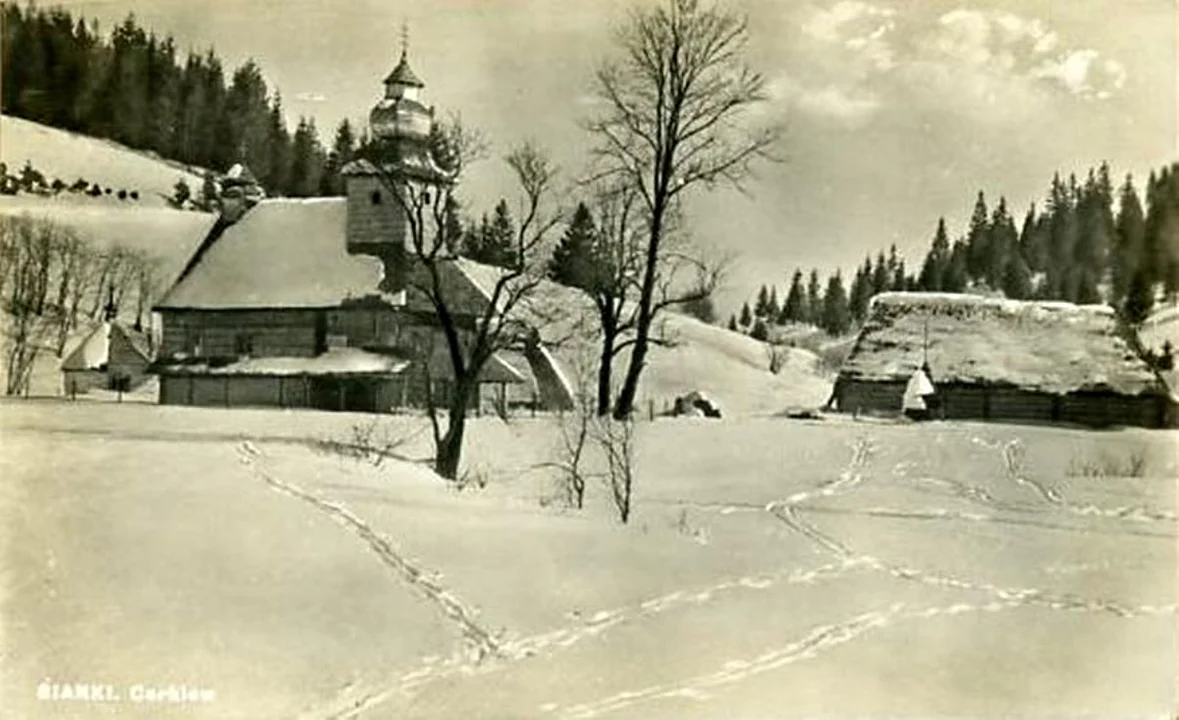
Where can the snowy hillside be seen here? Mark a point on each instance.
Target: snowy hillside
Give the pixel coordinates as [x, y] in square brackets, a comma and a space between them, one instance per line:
[773, 568]
[69, 156]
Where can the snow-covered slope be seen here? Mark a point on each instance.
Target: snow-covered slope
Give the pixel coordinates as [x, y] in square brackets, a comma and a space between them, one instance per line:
[772, 568]
[69, 156]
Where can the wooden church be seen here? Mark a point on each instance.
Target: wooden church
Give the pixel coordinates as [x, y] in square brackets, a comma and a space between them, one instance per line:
[305, 303]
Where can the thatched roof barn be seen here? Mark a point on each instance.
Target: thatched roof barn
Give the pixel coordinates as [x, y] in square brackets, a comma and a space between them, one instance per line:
[998, 359]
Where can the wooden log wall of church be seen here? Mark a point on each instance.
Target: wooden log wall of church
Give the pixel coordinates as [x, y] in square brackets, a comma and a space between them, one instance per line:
[269, 333]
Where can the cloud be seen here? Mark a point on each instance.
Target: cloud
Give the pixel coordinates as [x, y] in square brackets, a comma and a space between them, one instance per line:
[850, 107]
[859, 27]
[862, 50]
[830, 24]
[1022, 48]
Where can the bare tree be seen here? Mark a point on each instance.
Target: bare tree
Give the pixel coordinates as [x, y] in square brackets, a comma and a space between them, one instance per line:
[617, 441]
[73, 259]
[148, 280]
[672, 120]
[470, 345]
[30, 265]
[576, 433]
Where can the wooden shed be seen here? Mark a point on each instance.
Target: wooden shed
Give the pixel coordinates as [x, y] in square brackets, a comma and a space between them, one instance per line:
[1003, 360]
[111, 357]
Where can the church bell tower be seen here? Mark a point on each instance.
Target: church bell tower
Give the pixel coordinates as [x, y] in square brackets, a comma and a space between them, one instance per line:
[400, 153]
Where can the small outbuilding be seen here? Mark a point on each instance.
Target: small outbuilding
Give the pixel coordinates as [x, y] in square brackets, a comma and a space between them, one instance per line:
[111, 357]
[1004, 360]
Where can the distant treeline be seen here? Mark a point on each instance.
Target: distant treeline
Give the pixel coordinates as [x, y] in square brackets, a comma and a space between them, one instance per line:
[1091, 243]
[134, 87]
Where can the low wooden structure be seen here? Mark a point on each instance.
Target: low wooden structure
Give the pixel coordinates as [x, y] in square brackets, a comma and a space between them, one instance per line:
[111, 357]
[1003, 360]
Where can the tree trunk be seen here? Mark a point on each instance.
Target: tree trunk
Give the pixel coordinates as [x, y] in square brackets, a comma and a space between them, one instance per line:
[630, 385]
[624, 406]
[450, 447]
[604, 372]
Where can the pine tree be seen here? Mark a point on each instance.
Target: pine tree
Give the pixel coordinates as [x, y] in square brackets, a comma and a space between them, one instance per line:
[1001, 245]
[746, 315]
[861, 291]
[574, 261]
[278, 153]
[1129, 240]
[836, 317]
[307, 160]
[342, 152]
[881, 277]
[762, 307]
[1060, 281]
[794, 309]
[733, 323]
[1139, 296]
[955, 278]
[937, 261]
[502, 239]
[814, 299]
[1017, 278]
[900, 281]
[772, 307]
[760, 331]
[978, 239]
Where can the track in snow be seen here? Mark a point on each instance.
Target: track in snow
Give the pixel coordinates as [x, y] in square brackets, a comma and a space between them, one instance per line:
[478, 641]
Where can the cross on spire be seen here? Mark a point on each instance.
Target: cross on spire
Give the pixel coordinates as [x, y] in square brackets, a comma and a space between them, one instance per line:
[404, 38]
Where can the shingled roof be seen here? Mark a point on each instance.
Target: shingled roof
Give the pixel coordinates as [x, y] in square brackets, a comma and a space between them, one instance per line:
[1053, 347]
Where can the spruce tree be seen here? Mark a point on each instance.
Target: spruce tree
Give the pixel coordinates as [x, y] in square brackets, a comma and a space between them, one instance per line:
[1129, 240]
[746, 315]
[880, 274]
[1003, 242]
[794, 309]
[762, 306]
[342, 152]
[836, 317]
[978, 239]
[574, 263]
[760, 331]
[814, 299]
[772, 307]
[1139, 296]
[937, 261]
[733, 323]
[1017, 278]
[501, 241]
[955, 278]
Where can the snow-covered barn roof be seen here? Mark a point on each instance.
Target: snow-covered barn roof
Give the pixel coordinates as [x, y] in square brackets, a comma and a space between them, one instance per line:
[1053, 347]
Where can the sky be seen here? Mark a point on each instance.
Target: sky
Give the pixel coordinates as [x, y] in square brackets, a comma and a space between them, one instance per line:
[896, 111]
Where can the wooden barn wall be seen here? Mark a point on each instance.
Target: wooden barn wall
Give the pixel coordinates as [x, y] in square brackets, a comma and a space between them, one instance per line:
[1021, 406]
[960, 402]
[864, 396]
[975, 402]
[270, 332]
[82, 381]
[1102, 409]
[238, 391]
